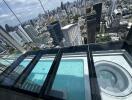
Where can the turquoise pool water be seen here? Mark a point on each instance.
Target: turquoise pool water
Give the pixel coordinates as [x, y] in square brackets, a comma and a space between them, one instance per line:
[40, 71]
[69, 78]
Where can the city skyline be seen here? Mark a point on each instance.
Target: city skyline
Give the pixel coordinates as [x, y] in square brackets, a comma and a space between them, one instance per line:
[79, 23]
[25, 10]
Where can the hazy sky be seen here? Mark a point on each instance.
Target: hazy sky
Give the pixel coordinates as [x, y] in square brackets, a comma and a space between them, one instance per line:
[25, 9]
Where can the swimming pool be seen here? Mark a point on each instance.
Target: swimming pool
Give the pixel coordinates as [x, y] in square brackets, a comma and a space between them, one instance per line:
[70, 77]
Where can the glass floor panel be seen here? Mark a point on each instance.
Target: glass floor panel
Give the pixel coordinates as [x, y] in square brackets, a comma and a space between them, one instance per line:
[38, 75]
[70, 77]
[10, 79]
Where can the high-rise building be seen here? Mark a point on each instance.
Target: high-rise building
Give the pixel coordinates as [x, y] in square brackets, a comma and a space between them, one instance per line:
[9, 28]
[32, 22]
[112, 6]
[56, 33]
[1, 49]
[98, 9]
[82, 11]
[31, 32]
[74, 11]
[115, 19]
[10, 41]
[72, 35]
[17, 38]
[62, 6]
[2, 46]
[21, 32]
[91, 26]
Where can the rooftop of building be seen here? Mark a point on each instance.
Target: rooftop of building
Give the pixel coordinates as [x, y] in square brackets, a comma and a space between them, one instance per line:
[56, 54]
[67, 26]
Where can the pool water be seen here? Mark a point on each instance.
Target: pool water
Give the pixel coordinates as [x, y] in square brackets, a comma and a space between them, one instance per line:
[69, 78]
[40, 71]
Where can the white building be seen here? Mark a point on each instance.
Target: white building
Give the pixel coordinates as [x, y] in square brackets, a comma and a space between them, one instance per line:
[116, 17]
[83, 10]
[74, 11]
[81, 21]
[10, 41]
[17, 38]
[112, 6]
[33, 34]
[21, 32]
[115, 38]
[72, 35]
[129, 25]
[64, 13]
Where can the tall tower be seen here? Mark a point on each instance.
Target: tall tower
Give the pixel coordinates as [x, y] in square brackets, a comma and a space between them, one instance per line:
[32, 33]
[112, 6]
[2, 45]
[21, 32]
[91, 25]
[62, 6]
[98, 9]
[56, 33]
[17, 38]
[72, 35]
[10, 41]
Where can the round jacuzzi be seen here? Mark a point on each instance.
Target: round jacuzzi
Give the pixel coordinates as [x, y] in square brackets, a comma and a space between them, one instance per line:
[113, 79]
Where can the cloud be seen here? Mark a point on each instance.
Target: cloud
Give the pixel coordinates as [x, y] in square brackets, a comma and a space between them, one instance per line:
[4, 15]
[22, 1]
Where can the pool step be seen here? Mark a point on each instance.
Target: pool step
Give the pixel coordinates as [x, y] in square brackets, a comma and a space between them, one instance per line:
[30, 86]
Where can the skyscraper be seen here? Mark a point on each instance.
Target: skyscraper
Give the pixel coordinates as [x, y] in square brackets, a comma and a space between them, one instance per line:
[112, 6]
[74, 11]
[21, 32]
[56, 33]
[8, 28]
[32, 22]
[10, 41]
[31, 32]
[98, 9]
[62, 6]
[17, 38]
[115, 19]
[72, 35]
[91, 26]
[2, 46]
